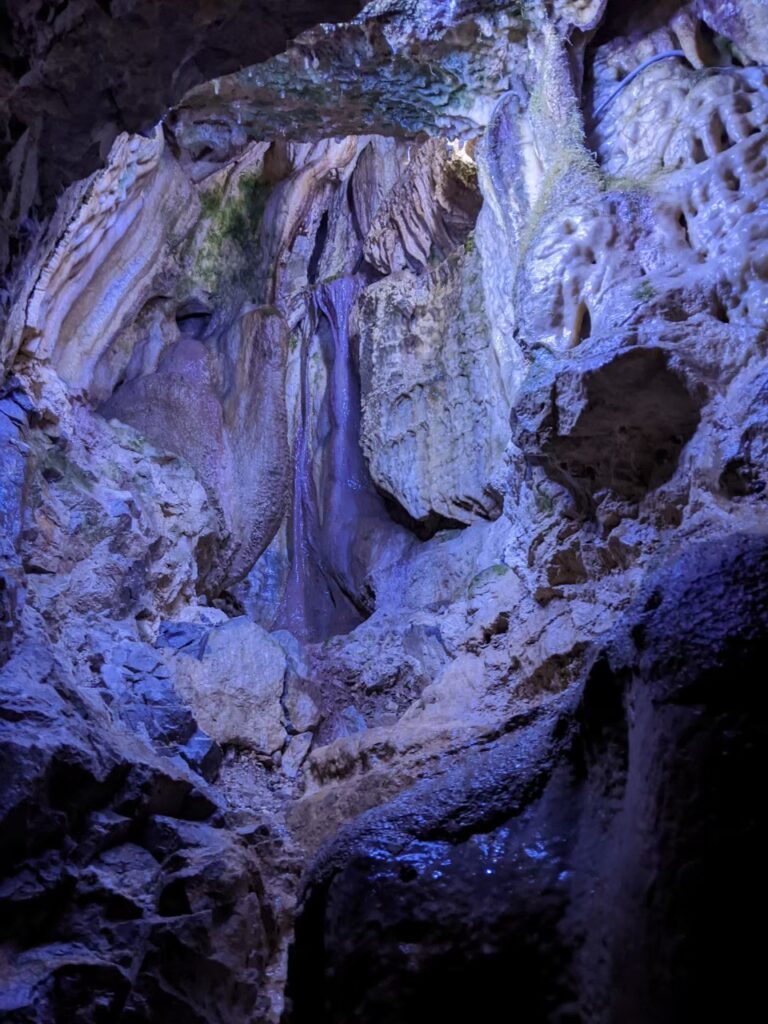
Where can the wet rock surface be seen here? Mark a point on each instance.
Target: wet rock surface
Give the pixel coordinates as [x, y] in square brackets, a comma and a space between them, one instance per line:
[598, 859]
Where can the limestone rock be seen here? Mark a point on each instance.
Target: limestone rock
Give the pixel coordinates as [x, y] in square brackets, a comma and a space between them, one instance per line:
[235, 688]
[100, 309]
[434, 413]
[634, 394]
[226, 416]
[111, 526]
[13, 470]
[104, 257]
[116, 868]
[745, 23]
[546, 734]
[138, 688]
[302, 713]
[556, 857]
[295, 754]
[451, 67]
[74, 78]
[428, 212]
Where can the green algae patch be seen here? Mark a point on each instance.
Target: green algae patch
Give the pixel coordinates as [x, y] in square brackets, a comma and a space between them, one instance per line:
[488, 575]
[464, 171]
[228, 252]
[570, 172]
[645, 292]
[59, 470]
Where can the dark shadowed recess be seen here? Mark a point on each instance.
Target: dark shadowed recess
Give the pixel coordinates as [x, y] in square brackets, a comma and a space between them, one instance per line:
[76, 73]
[424, 528]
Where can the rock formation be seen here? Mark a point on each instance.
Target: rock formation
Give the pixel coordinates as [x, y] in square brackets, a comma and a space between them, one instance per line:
[73, 75]
[383, 440]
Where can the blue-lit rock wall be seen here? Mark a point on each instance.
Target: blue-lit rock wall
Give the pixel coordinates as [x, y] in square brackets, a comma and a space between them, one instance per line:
[383, 479]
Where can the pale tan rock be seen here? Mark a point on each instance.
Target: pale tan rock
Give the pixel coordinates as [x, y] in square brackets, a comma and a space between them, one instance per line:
[301, 710]
[235, 689]
[201, 615]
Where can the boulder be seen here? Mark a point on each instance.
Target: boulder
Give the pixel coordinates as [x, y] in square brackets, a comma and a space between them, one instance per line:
[235, 687]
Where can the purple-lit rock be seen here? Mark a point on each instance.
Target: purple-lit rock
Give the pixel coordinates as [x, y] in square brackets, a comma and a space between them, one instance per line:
[383, 504]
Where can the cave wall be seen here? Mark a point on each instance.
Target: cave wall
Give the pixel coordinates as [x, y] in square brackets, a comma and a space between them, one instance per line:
[74, 75]
[382, 524]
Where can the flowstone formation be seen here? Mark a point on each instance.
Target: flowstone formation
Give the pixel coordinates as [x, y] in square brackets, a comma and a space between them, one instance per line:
[383, 445]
